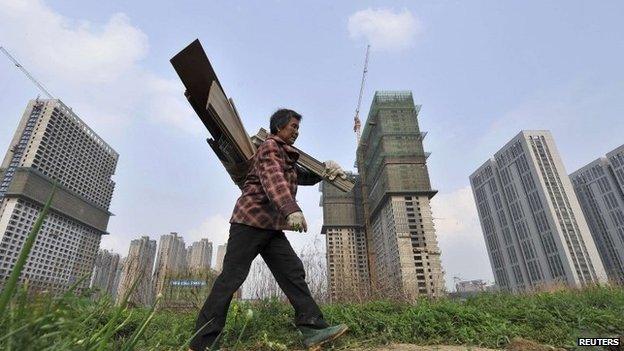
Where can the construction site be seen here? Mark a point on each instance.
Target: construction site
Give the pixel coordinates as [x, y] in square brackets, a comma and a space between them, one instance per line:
[380, 236]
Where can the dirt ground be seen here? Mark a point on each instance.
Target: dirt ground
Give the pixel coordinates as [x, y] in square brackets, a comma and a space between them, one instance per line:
[515, 345]
[408, 347]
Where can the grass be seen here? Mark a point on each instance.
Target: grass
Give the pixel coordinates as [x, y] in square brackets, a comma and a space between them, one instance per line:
[72, 322]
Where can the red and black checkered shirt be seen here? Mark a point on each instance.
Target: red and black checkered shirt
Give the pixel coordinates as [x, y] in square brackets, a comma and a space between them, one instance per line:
[271, 186]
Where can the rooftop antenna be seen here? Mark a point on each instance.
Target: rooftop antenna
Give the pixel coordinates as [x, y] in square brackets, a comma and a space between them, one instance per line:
[32, 79]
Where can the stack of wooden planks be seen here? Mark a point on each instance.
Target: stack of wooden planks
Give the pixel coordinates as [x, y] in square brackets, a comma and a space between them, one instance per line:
[308, 162]
[229, 141]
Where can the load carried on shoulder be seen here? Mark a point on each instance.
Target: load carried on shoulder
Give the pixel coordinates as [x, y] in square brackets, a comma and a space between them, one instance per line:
[230, 141]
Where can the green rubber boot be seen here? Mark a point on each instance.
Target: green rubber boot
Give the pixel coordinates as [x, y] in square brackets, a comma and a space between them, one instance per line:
[313, 339]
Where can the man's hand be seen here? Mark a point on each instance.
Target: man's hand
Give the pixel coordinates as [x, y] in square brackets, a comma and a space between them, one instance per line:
[333, 169]
[297, 222]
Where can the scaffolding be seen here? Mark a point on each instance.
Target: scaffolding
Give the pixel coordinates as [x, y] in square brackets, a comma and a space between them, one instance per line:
[392, 153]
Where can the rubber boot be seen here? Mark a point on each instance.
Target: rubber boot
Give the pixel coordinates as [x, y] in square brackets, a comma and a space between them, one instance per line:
[313, 339]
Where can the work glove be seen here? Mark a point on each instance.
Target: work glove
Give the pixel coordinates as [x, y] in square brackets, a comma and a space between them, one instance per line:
[297, 222]
[332, 170]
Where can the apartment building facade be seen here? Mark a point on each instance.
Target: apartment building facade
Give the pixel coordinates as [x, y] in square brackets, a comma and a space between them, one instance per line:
[534, 229]
[599, 187]
[104, 272]
[137, 272]
[221, 249]
[170, 261]
[345, 238]
[52, 145]
[199, 256]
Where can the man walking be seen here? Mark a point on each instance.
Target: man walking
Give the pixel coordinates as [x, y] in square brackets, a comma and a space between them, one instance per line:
[266, 207]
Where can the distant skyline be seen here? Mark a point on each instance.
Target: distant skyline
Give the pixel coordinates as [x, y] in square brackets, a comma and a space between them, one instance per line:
[482, 71]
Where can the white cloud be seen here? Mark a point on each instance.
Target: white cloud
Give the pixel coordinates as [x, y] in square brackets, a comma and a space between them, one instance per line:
[384, 29]
[73, 49]
[455, 214]
[167, 105]
[116, 243]
[97, 69]
[215, 228]
[460, 237]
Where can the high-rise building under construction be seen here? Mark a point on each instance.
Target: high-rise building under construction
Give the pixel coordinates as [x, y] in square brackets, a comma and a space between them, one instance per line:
[345, 238]
[396, 220]
[52, 145]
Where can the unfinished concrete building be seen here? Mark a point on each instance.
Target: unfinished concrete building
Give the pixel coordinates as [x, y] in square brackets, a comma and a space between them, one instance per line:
[396, 220]
[345, 238]
[404, 256]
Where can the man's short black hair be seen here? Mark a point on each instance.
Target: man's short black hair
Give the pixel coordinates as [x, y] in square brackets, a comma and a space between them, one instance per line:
[281, 117]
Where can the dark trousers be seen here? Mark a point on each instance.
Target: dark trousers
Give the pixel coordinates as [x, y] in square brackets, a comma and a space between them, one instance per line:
[244, 244]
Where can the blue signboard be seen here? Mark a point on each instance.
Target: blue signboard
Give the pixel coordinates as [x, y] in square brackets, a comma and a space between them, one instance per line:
[188, 283]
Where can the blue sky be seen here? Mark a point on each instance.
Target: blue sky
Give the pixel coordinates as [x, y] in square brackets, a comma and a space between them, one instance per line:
[483, 70]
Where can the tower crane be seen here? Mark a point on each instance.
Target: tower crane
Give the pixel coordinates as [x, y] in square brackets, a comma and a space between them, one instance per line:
[32, 79]
[356, 120]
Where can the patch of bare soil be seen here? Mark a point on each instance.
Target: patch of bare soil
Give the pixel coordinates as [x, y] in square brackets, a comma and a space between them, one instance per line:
[409, 347]
[528, 345]
[515, 345]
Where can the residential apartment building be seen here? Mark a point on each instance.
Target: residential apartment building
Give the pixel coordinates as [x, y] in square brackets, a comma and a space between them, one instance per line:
[534, 229]
[599, 187]
[52, 145]
[105, 271]
[171, 260]
[117, 279]
[137, 270]
[221, 251]
[345, 238]
[199, 256]
[220, 256]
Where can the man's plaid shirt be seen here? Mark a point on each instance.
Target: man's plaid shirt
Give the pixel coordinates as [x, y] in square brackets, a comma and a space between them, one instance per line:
[271, 186]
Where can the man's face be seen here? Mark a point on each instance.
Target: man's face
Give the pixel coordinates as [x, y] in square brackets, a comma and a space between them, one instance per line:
[289, 132]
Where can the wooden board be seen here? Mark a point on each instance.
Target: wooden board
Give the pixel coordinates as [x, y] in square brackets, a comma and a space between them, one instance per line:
[228, 121]
[230, 142]
[194, 69]
[240, 121]
[310, 163]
